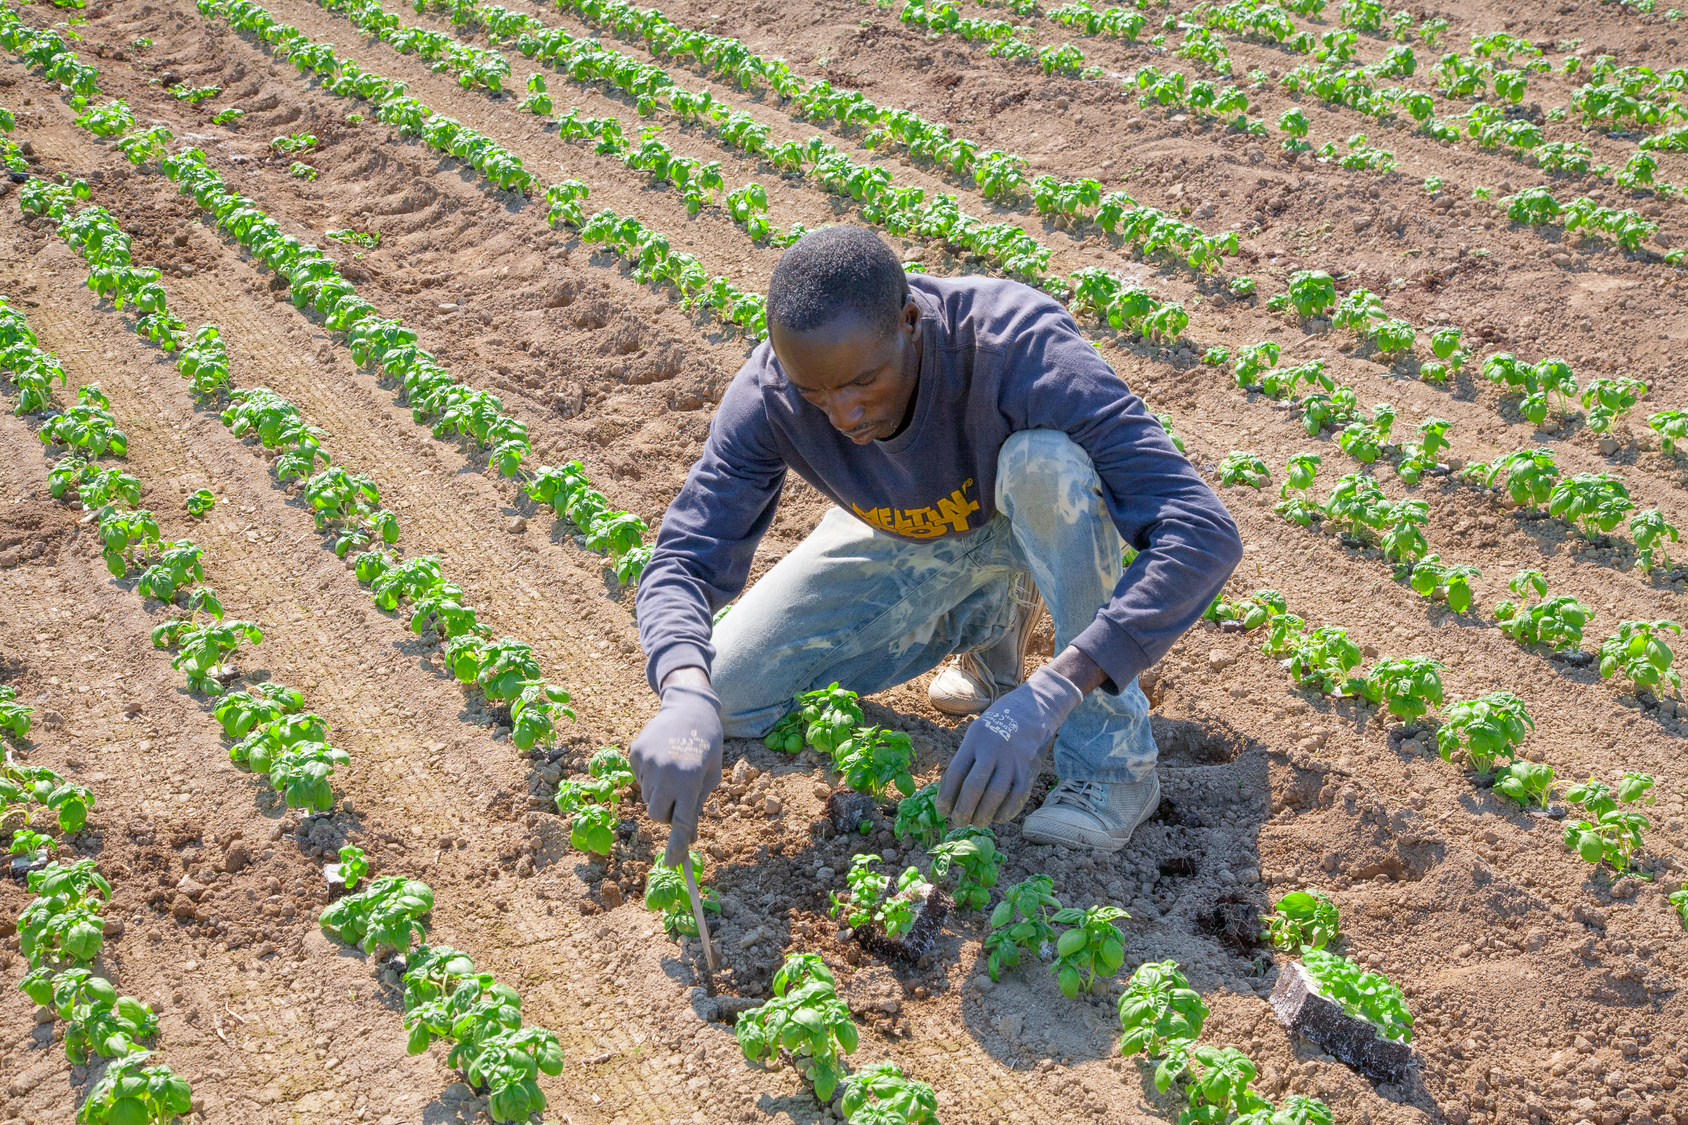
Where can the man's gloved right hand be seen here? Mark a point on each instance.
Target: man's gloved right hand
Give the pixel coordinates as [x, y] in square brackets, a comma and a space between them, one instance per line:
[677, 757]
[991, 775]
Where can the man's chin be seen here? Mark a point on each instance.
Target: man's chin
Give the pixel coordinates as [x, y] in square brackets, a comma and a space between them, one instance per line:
[863, 437]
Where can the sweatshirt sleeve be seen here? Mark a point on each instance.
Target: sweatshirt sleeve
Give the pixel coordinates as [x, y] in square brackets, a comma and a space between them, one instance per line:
[1187, 542]
[710, 532]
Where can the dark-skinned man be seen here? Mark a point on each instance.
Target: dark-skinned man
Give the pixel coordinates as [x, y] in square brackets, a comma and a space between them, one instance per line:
[984, 461]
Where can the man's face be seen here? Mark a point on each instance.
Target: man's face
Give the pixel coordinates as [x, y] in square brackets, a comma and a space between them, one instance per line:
[862, 378]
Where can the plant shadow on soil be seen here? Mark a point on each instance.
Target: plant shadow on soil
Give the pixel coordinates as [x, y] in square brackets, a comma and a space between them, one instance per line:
[1172, 876]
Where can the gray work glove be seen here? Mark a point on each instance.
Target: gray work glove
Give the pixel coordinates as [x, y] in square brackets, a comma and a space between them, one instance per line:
[677, 757]
[993, 771]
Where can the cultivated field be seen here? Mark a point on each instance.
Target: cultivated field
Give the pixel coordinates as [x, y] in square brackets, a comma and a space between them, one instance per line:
[352, 567]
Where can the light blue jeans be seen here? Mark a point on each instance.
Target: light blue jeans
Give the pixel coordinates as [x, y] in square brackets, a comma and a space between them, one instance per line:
[870, 611]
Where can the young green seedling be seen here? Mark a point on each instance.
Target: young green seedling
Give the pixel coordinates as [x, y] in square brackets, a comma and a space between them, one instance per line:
[1216, 1082]
[33, 847]
[1092, 947]
[536, 714]
[1158, 1011]
[1528, 474]
[132, 1093]
[203, 651]
[1649, 529]
[807, 1019]
[1356, 506]
[1021, 923]
[1408, 687]
[1555, 621]
[63, 925]
[1297, 1109]
[1485, 730]
[1607, 400]
[69, 801]
[823, 718]
[1528, 783]
[388, 914]
[1403, 538]
[867, 891]
[14, 716]
[918, 816]
[301, 775]
[1639, 651]
[1614, 836]
[268, 742]
[970, 853]
[1242, 467]
[1250, 612]
[177, 566]
[1301, 469]
[1671, 426]
[1595, 502]
[873, 759]
[881, 1094]
[1303, 920]
[507, 1064]
[1452, 583]
[432, 973]
[200, 503]
[478, 1009]
[127, 538]
[1253, 360]
[665, 891]
[1359, 311]
[1362, 993]
[241, 711]
[1311, 292]
[507, 668]
[98, 1020]
[1323, 658]
[352, 867]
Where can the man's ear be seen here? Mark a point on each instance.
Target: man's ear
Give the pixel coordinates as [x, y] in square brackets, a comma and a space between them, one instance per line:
[911, 315]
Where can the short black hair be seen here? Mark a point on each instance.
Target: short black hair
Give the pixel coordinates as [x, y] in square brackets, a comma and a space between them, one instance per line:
[835, 270]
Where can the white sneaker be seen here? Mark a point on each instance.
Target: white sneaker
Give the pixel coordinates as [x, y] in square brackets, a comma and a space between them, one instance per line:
[1092, 814]
[975, 680]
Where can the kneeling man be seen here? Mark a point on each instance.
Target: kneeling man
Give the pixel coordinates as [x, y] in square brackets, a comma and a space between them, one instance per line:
[985, 462]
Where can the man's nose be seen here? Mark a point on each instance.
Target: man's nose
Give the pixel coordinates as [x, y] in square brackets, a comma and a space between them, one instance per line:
[844, 412]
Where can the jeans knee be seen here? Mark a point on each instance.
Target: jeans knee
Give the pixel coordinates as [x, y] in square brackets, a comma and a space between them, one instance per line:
[1045, 472]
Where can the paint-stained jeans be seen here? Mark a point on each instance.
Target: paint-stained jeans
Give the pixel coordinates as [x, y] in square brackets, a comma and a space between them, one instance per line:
[870, 611]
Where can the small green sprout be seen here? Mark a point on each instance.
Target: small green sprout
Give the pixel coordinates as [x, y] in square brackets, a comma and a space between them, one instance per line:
[1485, 730]
[1639, 651]
[1303, 920]
[1244, 467]
[1159, 1010]
[970, 854]
[1021, 923]
[1093, 947]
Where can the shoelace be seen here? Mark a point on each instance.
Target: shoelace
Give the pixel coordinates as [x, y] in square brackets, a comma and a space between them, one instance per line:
[1090, 794]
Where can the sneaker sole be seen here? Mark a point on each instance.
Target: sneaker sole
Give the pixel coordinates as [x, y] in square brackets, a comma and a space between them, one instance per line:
[959, 708]
[1072, 836]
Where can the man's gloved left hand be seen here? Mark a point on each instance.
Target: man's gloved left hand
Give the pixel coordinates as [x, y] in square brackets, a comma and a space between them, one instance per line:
[993, 771]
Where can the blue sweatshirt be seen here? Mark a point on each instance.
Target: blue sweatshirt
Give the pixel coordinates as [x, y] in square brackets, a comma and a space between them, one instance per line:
[998, 357]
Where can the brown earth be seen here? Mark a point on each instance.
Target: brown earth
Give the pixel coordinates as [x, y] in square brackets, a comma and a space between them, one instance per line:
[1543, 992]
